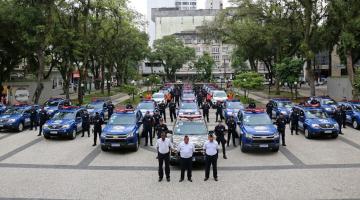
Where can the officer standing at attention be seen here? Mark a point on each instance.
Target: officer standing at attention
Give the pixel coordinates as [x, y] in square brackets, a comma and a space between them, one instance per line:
[206, 109]
[269, 108]
[85, 124]
[33, 118]
[220, 137]
[128, 106]
[252, 105]
[231, 123]
[157, 118]
[98, 121]
[163, 146]
[162, 108]
[110, 108]
[219, 111]
[172, 110]
[177, 95]
[281, 125]
[43, 117]
[294, 120]
[161, 127]
[343, 113]
[148, 123]
[199, 98]
[211, 149]
[186, 150]
[338, 118]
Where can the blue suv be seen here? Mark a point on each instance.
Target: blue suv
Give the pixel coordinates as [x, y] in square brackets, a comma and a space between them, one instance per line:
[67, 122]
[122, 130]
[188, 108]
[326, 103]
[146, 105]
[257, 131]
[98, 106]
[232, 108]
[352, 113]
[16, 117]
[53, 105]
[281, 106]
[313, 121]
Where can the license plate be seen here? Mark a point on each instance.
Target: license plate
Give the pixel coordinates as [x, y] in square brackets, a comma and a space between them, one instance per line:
[264, 145]
[193, 159]
[115, 145]
[53, 132]
[328, 131]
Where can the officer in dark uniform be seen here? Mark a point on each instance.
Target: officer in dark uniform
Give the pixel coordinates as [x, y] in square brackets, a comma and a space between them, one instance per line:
[252, 105]
[294, 120]
[43, 117]
[269, 108]
[33, 118]
[157, 118]
[172, 110]
[206, 109]
[231, 123]
[85, 124]
[110, 108]
[129, 106]
[177, 95]
[98, 121]
[339, 118]
[199, 98]
[162, 108]
[220, 137]
[219, 111]
[281, 125]
[161, 128]
[343, 113]
[148, 123]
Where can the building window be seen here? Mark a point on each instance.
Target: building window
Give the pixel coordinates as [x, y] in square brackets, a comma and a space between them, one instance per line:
[216, 58]
[215, 49]
[198, 49]
[225, 49]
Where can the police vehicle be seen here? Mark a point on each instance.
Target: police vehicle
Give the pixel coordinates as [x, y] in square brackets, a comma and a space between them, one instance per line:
[188, 96]
[232, 108]
[326, 103]
[98, 106]
[281, 106]
[146, 105]
[53, 105]
[16, 117]
[352, 112]
[196, 128]
[218, 96]
[158, 97]
[188, 108]
[2, 108]
[67, 122]
[313, 121]
[122, 131]
[257, 131]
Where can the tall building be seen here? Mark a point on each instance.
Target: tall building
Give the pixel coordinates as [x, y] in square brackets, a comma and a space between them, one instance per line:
[186, 4]
[214, 4]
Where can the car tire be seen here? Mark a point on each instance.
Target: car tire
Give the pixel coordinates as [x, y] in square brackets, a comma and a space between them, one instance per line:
[355, 124]
[73, 134]
[275, 149]
[104, 148]
[307, 134]
[243, 148]
[20, 127]
[46, 137]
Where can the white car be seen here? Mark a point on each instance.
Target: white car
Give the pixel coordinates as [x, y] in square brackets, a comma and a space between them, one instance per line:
[158, 97]
[218, 95]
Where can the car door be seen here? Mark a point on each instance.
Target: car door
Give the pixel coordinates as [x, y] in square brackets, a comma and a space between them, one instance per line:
[349, 113]
[274, 110]
[301, 119]
[26, 116]
[78, 120]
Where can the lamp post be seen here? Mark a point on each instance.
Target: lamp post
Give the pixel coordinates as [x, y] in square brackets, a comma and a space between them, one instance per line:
[296, 94]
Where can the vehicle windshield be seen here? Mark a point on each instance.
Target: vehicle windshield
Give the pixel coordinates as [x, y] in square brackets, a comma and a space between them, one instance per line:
[357, 107]
[192, 106]
[285, 104]
[313, 114]
[95, 106]
[147, 106]
[122, 120]
[234, 105]
[257, 119]
[64, 115]
[188, 95]
[158, 95]
[13, 111]
[328, 102]
[220, 94]
[51, 103]
[191, 128]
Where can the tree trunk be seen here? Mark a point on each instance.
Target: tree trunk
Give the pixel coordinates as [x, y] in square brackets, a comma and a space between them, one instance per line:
[310, 77]
[277, 85]
[102, 78]
[80, 88]
[349, 66]
[40, 76]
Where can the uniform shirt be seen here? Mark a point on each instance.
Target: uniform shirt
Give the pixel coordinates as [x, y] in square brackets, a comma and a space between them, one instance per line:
[162, 106]
[156, 118]
[206, 108]
[98, 121]
[211, 148]
[281, 123]
[231, 124]
[163, 146]
[219, 131]
[148, 121]
[186, 150]
[172, 106]
[219, 108]
[269, 107]
[162, 128]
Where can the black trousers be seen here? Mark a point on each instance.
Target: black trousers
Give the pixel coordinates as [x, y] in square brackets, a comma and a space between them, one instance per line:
[221, 140]
[206, 115]
[211, 160]
[344, 123]
[155, 132]
[164, 158]
[199, 102]
[219, 114]
[96, 133]
[40, 128]
[177, 100]
[147, 132]
[270, 114]
[233, 134]
[33, 124]
[172, 115]
[186, 165]
[85, 129]
[294, 126]
[340, 126]
[163, 114]
[282, 133]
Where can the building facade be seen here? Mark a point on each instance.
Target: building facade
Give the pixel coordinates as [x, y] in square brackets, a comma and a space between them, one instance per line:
[214, 4]
[186, 4]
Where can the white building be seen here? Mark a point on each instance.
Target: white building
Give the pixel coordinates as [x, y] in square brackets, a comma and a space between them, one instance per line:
[214, 4]
[186, 4]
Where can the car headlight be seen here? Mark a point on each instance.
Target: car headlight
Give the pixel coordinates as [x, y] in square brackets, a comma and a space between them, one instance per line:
[315, 125]
[248, 135]
[283, 112]
[336, 125]
[46, 126]
[131, 134]
[276, 135]
[11, 120]
[229, 113]
[66, 126]
[328, 109]
[103, 135]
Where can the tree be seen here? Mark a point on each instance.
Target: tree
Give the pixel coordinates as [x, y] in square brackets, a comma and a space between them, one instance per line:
[248, 81]
[288, 70]
[172, 53]
[131, 90]
[204, 66]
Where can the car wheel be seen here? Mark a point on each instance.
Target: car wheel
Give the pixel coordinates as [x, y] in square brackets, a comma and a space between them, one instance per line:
[136, 146]
[307, 134]
[104, 148]
[355, 124]
[20, 127]
[275, 149]
[46, 137]
[73, 134]
[243, 148]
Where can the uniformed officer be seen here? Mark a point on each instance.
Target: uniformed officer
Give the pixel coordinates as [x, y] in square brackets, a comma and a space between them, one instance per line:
[231, 123]
[281, 125]
[172, 110]
[206, 109]
[294, 120]
[157, 118]
[219, 111]
[162, 108]
[269, 108]
[33, 118]
[161, 127]
[220, 137]
[343, 113]
[163, 146]
[186, 150]
[43, 117]
[110, 108]
[252, 105]
[98, 121]
[177, 96]
[148, 123]
[129, 106]
[85, 124]
[338, 118]
[199, 98]
[211, 149]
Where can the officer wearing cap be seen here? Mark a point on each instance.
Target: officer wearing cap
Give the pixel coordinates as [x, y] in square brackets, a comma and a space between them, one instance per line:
[206, 108]
[162, 109]
[186, 150]
[33, 118]
[161, 128]
[172, 110]
[43, 117]
[211, 148]
[219, 111]
[148, 123]
[281, 125]
[85, 124]
[294, 120]
[157, 118]
[220, 137]
[231, 123]
[163, 146]
[269, 108]
[110, 108]
[98, 121]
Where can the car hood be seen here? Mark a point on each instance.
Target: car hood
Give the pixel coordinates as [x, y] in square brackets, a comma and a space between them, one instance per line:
[93, 111]
[197, 140]
[284, 109]
[60, 121]
[50, 108]
[13, 116]
[232, 111]
[261, 130]
[220, 98]
[118, 129]
[321, 121]
[187, 110]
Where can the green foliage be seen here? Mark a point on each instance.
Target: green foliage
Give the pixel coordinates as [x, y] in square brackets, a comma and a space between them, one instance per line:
[204, 66]
[357, 81]
[249, 81]
[288, 70]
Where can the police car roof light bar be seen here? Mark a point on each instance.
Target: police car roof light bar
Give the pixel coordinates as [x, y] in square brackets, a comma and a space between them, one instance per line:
[190, 117]
[255, 110]
[69, 107]
[121, 110]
